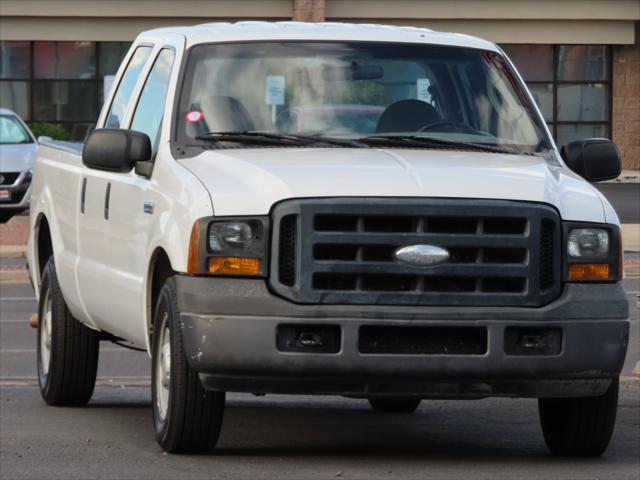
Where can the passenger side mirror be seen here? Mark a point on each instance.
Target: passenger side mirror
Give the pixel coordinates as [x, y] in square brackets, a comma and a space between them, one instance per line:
[594, 159]
[116, 150]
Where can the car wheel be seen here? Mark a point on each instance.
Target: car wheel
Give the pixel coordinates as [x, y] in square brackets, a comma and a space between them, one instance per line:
[187, 417]
[580, 427]
[67, 349]
[395, 404]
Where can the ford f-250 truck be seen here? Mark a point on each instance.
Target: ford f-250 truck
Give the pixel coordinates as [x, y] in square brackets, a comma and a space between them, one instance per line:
[422, 237]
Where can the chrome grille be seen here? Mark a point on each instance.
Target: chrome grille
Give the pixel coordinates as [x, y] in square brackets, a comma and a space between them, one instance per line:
[501, 252]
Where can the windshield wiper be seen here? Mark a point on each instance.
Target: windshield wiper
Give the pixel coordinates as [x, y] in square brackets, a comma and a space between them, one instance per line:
[274, 138]
[416, 141]
[268, 138]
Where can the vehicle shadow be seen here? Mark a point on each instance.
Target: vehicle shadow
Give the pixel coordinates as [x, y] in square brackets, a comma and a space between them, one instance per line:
[490, 430]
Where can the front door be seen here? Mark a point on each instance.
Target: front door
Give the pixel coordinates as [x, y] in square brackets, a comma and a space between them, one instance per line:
[133, 212]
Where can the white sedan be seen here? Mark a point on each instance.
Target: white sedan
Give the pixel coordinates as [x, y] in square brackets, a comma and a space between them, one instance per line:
[18, 148]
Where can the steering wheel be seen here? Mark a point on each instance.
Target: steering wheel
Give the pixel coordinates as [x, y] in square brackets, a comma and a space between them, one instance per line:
[460, 127]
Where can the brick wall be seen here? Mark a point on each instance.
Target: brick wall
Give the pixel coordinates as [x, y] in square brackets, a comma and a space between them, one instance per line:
[309, 10]
[626, 102]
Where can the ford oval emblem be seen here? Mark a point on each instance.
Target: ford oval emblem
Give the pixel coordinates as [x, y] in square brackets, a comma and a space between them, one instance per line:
[421, 255]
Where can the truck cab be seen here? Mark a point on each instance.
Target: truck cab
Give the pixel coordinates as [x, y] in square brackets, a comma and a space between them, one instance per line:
[370, 211]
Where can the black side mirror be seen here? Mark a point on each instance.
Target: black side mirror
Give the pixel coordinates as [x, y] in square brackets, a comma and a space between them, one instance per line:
[116, 150]
[594, 159]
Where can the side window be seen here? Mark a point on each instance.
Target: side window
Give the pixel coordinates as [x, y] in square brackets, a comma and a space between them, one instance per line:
[150, 110]
[126, 86]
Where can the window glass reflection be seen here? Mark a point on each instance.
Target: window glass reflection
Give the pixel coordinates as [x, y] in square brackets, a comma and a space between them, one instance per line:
[15, 96]
[585, 103]
[64, 60]
[583, 62]
[15, 59]
[64, 101]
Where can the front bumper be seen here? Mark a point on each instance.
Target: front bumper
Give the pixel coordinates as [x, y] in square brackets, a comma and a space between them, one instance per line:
[20, 193]
[229, 328]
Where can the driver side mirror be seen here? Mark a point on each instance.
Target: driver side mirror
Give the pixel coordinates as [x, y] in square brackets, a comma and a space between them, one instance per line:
[594, 159]
[116, 150]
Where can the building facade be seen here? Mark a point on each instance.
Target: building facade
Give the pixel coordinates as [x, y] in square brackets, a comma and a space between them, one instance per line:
[580, 58]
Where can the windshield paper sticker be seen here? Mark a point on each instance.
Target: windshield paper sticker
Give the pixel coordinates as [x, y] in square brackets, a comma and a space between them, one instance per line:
[194, 116]
[422, 89]
[274, 90]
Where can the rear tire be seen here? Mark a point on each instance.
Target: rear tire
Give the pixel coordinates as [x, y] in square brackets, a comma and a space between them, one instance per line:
[67, 349]
[187, 417]
[395, 404]
[579, 427]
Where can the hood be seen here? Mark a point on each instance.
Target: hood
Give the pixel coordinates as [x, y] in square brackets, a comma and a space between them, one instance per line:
[17, 157]
[250, 181]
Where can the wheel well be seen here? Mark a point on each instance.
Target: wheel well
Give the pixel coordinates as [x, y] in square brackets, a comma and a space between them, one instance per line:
[159, 271]
[44, 245]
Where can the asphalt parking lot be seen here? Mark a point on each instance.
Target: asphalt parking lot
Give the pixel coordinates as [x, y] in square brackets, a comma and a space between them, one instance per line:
[281, 436]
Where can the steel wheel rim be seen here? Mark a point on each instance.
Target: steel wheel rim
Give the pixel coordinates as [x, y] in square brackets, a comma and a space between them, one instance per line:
[45, 333]
[163, 368]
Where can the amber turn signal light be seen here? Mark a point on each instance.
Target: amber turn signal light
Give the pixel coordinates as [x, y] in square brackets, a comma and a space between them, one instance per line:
[193, 262]
[589, 271]
[234, 265]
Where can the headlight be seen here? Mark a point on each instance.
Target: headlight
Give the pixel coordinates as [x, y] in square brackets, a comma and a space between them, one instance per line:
[593, 254]
[588, 243]
[229, 246]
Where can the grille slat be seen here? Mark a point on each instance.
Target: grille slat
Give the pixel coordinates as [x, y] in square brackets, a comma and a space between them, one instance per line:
[501, 252]
[9, 178]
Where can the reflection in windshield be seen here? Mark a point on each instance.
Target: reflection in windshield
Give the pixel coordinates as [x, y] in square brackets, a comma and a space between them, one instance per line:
[354, 90]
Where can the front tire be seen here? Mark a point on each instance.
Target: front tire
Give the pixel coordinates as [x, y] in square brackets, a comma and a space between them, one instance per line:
[67, 349]
[187, 418]
[394, 404]
[579, 427]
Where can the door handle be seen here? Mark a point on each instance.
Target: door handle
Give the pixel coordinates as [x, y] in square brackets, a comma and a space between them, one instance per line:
[83, 194]
[107, 194]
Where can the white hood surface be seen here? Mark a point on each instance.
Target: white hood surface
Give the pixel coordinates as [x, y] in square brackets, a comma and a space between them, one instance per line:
[250, 181]
[17, 157]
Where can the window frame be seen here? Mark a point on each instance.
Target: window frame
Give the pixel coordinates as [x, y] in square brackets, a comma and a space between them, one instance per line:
[116, 87]
[135, 100]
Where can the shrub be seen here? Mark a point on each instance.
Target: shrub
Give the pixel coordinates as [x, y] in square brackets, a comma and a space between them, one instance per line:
[56, 132]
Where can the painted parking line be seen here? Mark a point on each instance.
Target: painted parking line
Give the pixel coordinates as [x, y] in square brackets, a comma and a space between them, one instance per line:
[33, 350]
[17, 299]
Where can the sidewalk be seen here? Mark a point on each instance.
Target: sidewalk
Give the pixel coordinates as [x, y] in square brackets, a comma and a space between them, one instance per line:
[627, 176]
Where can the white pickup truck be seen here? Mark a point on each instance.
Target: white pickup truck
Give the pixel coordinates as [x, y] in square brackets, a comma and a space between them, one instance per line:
[369, 211]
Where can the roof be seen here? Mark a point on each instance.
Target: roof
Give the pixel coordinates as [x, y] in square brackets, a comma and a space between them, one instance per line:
[6, 111]
[329, 31]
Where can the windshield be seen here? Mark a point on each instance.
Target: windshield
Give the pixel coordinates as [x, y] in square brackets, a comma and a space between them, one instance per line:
[12, 131]
[357, 90]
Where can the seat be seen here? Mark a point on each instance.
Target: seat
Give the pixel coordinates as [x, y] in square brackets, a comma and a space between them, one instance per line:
[225, 114]
[407, 116]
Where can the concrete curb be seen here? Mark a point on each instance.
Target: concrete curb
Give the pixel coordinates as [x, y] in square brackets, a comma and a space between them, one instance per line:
[627, 176]
[631, 237]
[13, 251]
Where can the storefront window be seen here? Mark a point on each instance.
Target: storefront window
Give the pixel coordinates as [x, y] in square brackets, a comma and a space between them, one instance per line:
[15, 59]
[110, 56]
[583, 62]
[64, 60]
[534, 62]
[575, 99]
[60, 83]
[15, 96]
[64, 101]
